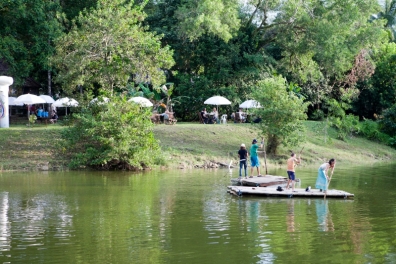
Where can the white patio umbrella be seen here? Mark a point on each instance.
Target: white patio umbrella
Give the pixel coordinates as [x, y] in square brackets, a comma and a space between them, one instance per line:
[250, 104]
[65, 102]
[11, 101]
[217, 100]
[48, 99]
[29, 99]
[96, 100]
[144, 102]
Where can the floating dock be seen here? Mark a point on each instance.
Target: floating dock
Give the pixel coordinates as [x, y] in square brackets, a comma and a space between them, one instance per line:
[263, 181]
[298, 192]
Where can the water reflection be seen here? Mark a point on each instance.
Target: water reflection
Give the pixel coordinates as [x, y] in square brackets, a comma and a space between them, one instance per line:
[187, 217]
[324, 217]
[5, 236]
[290, 216]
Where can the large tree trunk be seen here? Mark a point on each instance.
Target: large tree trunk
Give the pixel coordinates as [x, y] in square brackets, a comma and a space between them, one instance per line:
[273, 143]
[49, 79]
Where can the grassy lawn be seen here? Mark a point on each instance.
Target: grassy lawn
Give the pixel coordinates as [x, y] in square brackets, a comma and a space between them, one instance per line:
[30, 148]
[192, 144]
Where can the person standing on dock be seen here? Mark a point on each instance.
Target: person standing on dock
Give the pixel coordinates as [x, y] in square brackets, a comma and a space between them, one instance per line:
[254, 158]
[291, 164]
[322, 182]
[243, 155]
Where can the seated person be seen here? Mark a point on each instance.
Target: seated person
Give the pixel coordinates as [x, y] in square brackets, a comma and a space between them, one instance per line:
[40, 112]
[242, 115]
[165, 115]
[32, 109]
[214, 116]
[54, 117]
[205, 115]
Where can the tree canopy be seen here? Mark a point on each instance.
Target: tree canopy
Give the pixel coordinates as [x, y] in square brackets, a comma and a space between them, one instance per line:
[108, 46]
[281, 115]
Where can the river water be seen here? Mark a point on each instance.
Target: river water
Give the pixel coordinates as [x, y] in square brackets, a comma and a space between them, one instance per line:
[188, 217]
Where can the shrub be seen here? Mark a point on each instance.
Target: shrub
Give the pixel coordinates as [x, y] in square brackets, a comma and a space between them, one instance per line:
[116, 135]
[346, 126]
[369, 129]
[387, 123]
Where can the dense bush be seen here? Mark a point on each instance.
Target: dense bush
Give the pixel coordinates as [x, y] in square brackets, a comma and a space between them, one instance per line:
[346, 125]
[388, 121]
[387, 124]
[371, 130]
[115, 135]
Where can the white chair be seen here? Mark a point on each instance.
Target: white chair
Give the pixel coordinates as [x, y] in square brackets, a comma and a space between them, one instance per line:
[223, 119]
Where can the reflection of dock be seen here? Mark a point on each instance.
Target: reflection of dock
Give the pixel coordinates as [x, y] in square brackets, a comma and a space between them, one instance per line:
[298, 192]
[263, 181]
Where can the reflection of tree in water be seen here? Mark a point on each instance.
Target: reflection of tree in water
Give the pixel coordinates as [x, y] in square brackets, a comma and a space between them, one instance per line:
[324, 217]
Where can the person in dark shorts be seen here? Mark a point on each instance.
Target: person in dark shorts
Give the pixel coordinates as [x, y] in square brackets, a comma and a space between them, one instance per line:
[243, 155]
[291, 164]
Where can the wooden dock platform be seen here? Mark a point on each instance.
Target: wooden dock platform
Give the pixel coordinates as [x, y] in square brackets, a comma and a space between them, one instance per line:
[298, 192]
[264, 181]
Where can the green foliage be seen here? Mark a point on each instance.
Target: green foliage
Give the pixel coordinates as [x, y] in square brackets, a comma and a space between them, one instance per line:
[28, 28]
[379, 92]
[346, 125]
[387, 123]
[320, 40]
[282, 114]
[117, 135]
[32, 119]
[371, 130]
[106, 46]
[388, 13]
[217, 17]
[317, 114]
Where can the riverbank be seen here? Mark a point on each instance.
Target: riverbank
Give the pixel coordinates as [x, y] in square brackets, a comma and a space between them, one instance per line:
[191, 145]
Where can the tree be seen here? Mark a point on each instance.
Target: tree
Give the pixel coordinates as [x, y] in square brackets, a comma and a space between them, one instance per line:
[116, 135]
[389, 14]
[28, 29]
[217, 17]
[379, 92]
[107, 46]
[320, 41]
[281, 115]
[388, 122]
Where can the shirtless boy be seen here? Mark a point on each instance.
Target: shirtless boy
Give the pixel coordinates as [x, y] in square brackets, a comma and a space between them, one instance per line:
[291, 164]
